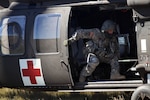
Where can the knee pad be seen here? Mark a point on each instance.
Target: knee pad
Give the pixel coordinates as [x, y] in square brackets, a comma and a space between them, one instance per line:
[92, 60]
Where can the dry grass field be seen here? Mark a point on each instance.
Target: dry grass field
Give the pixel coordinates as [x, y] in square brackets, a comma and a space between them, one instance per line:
[23, 94]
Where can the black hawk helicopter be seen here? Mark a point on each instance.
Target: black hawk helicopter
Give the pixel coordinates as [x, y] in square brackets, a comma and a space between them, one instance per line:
[32, 54]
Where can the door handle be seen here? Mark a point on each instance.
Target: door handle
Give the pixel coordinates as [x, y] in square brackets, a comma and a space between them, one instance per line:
[63, 63]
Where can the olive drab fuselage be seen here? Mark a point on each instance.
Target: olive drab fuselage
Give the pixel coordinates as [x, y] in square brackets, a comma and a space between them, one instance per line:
[33, 54]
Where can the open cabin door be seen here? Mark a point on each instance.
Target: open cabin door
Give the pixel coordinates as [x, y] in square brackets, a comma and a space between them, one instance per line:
[50, 30]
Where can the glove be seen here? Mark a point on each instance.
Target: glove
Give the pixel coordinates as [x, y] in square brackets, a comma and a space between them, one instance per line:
[65, 42]
[70, 40]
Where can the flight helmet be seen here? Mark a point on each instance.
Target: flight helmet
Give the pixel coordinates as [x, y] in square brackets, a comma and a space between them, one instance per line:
[108, 25]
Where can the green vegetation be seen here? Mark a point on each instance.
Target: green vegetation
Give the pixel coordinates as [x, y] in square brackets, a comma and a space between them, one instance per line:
[23, 94]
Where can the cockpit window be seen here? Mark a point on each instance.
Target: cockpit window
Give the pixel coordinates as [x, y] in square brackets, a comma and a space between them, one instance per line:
[47, 32]
[12, 35]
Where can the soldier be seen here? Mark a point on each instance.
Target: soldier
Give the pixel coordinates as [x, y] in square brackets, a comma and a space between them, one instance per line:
[101, 47]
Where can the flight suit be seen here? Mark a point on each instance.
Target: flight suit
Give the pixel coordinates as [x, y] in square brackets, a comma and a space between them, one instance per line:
[101, 47]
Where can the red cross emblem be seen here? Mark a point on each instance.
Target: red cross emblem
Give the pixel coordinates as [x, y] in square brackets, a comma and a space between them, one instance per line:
[31, 72]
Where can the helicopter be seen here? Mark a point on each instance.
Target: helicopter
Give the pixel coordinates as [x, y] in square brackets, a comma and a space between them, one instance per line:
[32, 53]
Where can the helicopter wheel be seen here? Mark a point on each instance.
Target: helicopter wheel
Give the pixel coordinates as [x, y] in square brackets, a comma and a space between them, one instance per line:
[141, 93]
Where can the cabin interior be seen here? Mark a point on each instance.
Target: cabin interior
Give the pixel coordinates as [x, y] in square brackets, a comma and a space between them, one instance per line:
[86, 17]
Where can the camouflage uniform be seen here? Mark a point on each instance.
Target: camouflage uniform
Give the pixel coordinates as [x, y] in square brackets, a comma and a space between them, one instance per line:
[101, 47]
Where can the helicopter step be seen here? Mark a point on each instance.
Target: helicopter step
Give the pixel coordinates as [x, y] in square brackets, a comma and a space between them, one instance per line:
[102, 86]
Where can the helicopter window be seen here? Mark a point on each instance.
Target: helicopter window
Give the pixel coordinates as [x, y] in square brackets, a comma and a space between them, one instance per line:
[12, 35]
[47, 32]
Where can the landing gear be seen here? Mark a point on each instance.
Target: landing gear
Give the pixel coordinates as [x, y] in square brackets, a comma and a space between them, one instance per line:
[141, 93]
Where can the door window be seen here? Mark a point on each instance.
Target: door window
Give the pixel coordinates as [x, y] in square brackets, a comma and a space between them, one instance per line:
[47, 32]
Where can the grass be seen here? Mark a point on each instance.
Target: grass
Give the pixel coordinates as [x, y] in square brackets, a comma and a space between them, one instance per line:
[22, 94]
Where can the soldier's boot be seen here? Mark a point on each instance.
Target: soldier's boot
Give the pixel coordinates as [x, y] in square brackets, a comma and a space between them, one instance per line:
[86, 71]
[83, 75]
[82, 78]
[115, 75]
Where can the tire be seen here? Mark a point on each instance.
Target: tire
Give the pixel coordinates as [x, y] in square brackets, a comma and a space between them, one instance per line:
[141, 93]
